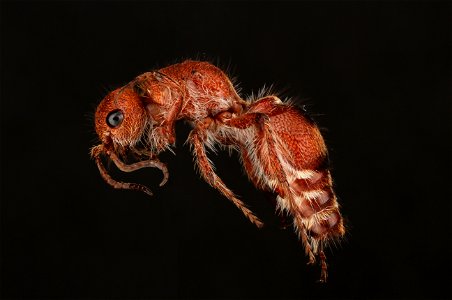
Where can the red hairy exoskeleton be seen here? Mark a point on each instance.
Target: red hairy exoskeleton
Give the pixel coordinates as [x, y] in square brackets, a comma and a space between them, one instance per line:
[281, 149]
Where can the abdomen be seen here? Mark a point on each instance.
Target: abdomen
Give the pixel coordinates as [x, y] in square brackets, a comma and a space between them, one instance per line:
[302, 153]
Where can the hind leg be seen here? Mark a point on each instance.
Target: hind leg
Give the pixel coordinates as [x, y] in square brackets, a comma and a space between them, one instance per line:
[262, 160]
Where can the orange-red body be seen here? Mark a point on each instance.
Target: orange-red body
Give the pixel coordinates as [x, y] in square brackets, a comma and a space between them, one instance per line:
[281, 148]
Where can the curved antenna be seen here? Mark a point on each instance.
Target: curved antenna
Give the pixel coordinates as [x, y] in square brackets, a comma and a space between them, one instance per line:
[150, 163]
[95, 153]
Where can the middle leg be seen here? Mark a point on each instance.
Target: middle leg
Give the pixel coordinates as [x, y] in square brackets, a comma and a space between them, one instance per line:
[197, 139]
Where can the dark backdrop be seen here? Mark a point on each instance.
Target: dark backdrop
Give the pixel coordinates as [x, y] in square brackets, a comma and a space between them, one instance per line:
[376, 75]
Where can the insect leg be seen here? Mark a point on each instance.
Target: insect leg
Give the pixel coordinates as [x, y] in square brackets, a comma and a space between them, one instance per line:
[197, 139]
[266, 151]
[267, 154]
[248, 166]
[324, 266]
[244, 156]
[172, 91]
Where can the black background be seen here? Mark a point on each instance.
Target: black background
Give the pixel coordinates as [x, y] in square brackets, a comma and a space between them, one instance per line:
[375, 74]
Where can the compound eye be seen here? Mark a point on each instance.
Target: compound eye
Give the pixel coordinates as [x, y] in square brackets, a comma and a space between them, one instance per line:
[114, 118]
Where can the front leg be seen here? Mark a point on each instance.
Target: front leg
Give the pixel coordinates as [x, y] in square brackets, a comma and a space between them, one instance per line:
[166, 127]
[197, 139]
